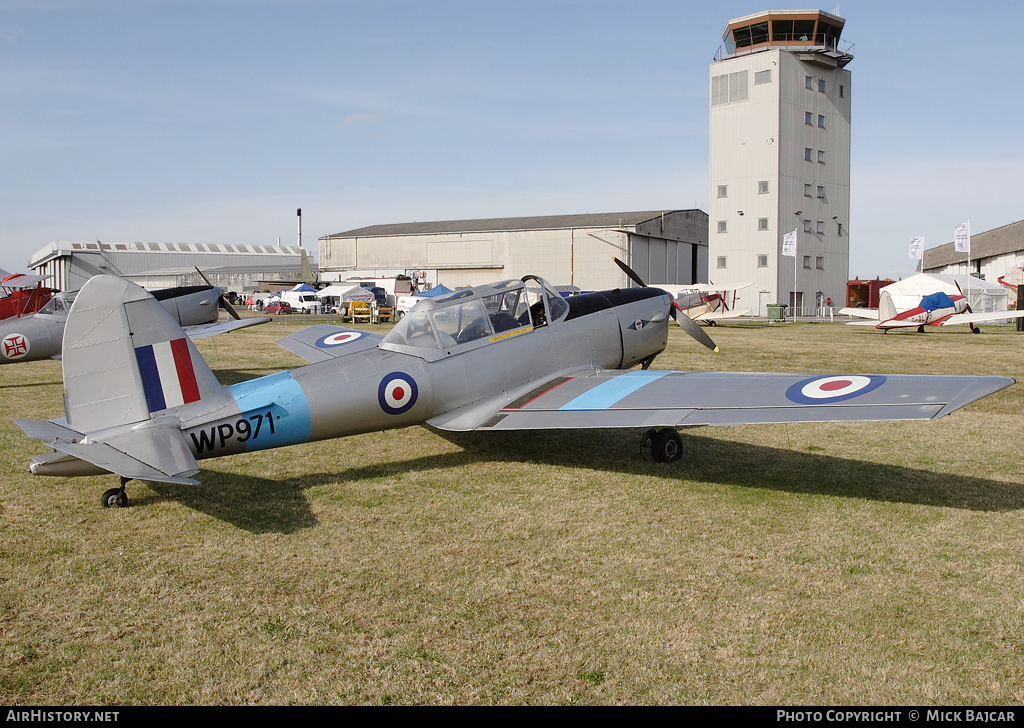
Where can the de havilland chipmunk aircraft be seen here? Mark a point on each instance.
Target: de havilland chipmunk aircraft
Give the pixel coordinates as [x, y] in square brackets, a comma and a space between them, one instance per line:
[935, 309]
[140, 401]
[39, 335]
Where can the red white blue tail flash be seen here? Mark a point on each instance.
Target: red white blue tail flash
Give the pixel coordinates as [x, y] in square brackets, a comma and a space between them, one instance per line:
[167, 374]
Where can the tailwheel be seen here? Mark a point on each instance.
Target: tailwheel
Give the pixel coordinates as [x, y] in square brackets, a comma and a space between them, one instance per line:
[116, 497]
[664, 446]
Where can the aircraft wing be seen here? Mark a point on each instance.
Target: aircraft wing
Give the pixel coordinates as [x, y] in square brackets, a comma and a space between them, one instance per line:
[201, 331]
[864, 313]
[655, 398]
[323, 341]
[977, 318]
[720, 315]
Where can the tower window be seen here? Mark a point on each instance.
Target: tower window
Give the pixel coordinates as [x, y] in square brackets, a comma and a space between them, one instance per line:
[821, 121]
[807, 262]
[821, 85]
[821, 192]
[721, 226]
[807, 189]
[809, 118]
[762, 187]
[762, 223]
[721, 261]
[821, 156]
[808, 82]
[807, 154]
[762, 261]
[723, 190]
[819, 262]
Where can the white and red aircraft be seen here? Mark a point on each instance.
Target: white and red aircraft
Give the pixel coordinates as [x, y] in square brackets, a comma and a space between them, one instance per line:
[706, 303]
[935, 309]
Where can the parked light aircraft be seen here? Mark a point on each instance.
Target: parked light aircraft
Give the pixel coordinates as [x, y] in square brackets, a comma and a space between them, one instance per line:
[141, 402]
[706, 302]
[22, 294]
[39, 336]
[935, 309]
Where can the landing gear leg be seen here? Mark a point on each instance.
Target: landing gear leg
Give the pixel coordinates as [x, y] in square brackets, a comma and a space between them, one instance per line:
[665, 445]
[116, 497]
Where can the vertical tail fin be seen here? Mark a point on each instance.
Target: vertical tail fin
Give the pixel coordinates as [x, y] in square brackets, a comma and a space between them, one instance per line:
[126, 358]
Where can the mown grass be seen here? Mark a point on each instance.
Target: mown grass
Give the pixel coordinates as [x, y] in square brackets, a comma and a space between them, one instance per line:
[802, 564]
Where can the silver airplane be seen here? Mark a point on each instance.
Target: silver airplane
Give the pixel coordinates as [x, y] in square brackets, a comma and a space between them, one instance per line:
[140, 401]
[39, 336]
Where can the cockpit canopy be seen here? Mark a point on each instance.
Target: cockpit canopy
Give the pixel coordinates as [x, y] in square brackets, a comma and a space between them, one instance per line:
[482, 314]
[60, 303]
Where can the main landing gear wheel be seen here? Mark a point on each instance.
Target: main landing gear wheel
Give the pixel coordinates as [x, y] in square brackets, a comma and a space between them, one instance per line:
[665, 445]
[116, 497]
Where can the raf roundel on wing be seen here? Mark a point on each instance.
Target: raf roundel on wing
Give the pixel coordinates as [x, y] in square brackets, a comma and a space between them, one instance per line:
[337, 339]
[826, 390]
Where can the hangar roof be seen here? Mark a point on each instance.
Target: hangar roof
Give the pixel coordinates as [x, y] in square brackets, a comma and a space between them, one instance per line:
[506, 224]
[1006, 239]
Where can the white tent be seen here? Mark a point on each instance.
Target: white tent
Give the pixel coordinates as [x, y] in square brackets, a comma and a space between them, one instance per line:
[982, 296]
[345, 293]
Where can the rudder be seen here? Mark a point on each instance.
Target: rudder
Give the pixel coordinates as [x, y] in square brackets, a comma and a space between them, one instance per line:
[126, 358]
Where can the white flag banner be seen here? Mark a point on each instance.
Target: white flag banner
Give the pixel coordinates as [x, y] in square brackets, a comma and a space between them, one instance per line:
[962, 237]
[917, 248]
[789, 244]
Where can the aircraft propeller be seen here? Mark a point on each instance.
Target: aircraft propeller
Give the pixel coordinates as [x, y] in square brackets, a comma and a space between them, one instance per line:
[688, 324]
[222, 301]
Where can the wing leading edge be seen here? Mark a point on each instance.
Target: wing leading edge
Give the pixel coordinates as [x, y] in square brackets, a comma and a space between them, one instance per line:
[654, 398]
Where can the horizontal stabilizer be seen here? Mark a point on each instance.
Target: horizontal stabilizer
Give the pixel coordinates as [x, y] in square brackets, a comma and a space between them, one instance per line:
[323, 341]
[48, 431]
[157, 453]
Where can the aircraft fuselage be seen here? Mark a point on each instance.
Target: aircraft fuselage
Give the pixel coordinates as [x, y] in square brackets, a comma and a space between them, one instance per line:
[377, 388]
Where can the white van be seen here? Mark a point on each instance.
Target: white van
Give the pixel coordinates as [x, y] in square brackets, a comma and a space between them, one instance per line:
[302, 301]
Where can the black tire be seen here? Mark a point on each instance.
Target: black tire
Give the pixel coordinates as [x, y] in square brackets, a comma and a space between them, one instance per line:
[666, 446]
[114, 498]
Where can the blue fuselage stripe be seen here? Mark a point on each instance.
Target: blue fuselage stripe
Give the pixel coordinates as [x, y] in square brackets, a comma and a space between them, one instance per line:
[282, 397]
[605, 395]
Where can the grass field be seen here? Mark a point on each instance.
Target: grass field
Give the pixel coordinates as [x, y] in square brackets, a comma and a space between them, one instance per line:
[876, 563]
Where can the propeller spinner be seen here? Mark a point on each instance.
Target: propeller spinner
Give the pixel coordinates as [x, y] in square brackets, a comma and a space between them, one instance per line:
[223, 301]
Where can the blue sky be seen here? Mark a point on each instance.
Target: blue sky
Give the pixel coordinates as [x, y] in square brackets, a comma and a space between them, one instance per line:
[213, 120]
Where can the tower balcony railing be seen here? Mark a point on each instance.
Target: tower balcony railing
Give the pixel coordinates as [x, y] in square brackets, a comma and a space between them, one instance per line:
[820, 43]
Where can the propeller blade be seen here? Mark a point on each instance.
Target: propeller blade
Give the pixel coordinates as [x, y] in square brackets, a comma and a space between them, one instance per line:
[688, 324]
[222, 301]
[630, 272]
[696, 331]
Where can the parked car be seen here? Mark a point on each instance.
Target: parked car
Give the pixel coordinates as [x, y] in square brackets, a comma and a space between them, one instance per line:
[278, 308]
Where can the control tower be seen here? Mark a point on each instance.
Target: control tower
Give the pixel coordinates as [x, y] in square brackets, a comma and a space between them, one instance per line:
[780, 159]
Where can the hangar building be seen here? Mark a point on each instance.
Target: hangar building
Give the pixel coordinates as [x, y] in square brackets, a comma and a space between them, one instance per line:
[163, 265]
[994, 254]
[662, 246]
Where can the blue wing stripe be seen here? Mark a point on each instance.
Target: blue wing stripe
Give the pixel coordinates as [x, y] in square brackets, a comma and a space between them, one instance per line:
[605, 395]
